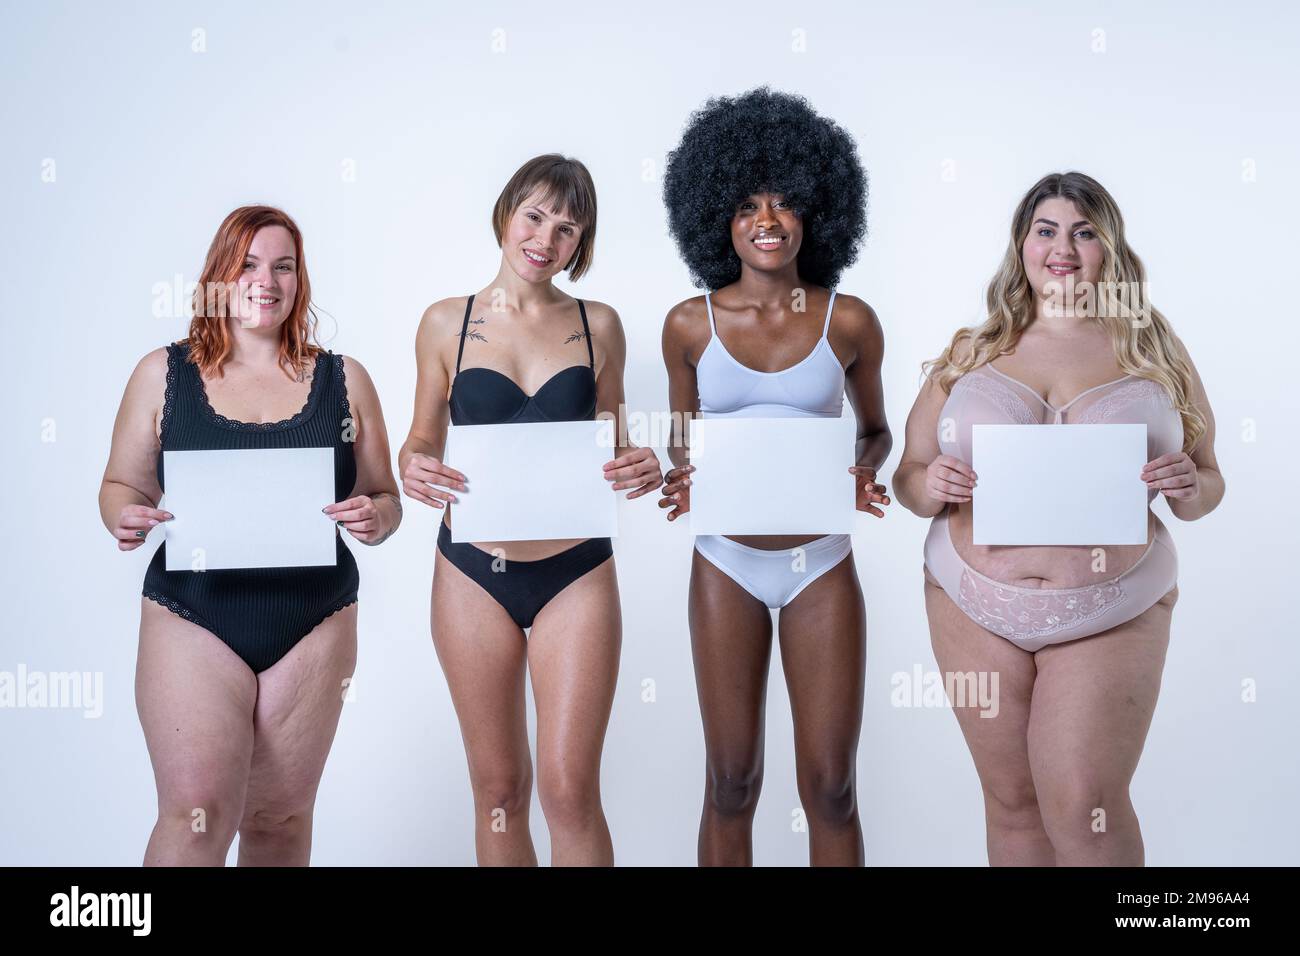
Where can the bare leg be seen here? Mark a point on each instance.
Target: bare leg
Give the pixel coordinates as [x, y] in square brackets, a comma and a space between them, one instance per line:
[573, 651]
[195, 698]
[1092, 707]
[823, 634]
[298, 704]
[731, 639]
[483, 655]
[999, 745]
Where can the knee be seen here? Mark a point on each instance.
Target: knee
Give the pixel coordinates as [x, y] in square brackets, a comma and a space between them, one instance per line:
[275, 825]
[569, 800]
[1081, 808]
[733, 788]
[199, 813]
[502, 795]
[829, 793]
[1012, 805]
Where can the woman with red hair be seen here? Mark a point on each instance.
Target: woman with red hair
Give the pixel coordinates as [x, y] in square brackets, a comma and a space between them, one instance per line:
[240, 674]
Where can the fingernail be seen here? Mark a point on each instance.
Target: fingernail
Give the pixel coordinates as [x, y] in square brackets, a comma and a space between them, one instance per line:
[152, 522]
[323, 510]
[139, 534]
[338, 524]
[170, 516]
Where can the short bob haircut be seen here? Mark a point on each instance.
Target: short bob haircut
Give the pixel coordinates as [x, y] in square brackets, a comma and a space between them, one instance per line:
[567, 189]
[765, 141]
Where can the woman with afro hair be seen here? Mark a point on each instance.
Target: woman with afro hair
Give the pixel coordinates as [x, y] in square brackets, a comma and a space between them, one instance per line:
[767, 203]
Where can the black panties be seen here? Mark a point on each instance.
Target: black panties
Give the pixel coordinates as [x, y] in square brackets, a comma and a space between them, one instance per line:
[523, 588]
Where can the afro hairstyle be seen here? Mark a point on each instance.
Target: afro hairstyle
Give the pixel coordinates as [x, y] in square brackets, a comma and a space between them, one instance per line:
[765, 141]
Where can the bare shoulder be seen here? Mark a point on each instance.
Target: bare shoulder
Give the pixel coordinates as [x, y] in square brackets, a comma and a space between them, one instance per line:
[687, 323]
[358, 379]
[601, 317]
[444, 316]
[439, 333]
[1198, 386]
[855, 315]
[149, 379]
[363, 399]
[963, 345]
[153, 365]
[1180, 347]
[856, 328]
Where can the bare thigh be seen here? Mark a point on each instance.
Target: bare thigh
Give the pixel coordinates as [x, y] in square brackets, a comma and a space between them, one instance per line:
[999, 743]
[731, 641]
[195, 698]
[484, 655]
[573, 651]
[823, 652]
[1092, 707]
[299, 700]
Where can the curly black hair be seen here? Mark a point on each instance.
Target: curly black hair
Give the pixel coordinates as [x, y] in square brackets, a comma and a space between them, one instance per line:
[765, 141]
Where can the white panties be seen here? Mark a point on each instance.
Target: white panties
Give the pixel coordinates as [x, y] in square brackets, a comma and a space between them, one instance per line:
[774, 577]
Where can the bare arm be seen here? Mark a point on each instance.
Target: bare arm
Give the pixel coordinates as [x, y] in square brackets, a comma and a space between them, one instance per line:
[867, 399]
[129, 492]
[419, 460]
[682, 331]
[684, 337]
[374, 466]
[920, 448]
[632, 467]
[1209, 484]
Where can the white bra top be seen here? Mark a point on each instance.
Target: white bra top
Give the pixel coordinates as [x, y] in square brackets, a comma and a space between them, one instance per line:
[811, 388]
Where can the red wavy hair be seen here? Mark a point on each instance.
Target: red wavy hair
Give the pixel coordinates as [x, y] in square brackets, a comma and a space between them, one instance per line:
[209, 336]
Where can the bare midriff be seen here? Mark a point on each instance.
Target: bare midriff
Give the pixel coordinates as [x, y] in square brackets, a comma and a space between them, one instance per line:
[1042, 566]
[774, 542]
[522, 550]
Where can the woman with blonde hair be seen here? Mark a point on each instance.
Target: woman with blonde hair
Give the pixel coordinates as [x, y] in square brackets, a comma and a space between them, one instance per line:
[241, 672]
[1076, 635]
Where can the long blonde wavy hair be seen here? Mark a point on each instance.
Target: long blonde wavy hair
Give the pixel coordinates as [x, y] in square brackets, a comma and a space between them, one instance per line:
[1146, 351]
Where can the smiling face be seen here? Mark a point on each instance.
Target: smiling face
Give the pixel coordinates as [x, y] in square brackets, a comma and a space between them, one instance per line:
[268, 283]
[538, 241]
[1062, 249]
[766, 231]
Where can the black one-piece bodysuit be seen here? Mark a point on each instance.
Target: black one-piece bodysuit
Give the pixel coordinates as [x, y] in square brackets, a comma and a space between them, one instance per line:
[261, 613]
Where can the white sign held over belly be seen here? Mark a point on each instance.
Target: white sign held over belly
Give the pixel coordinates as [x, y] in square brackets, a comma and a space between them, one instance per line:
[1059, 484]
[534, 481]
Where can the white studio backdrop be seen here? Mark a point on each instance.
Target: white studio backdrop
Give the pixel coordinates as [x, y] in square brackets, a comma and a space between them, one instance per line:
[387, 129]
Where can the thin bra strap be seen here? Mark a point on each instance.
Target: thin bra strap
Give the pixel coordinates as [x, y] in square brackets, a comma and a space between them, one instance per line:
[464, 332]
[713, 328]
[829, 306]
[586, 333]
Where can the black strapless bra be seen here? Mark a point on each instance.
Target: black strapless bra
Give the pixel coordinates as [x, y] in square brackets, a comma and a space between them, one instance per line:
[484, 396]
